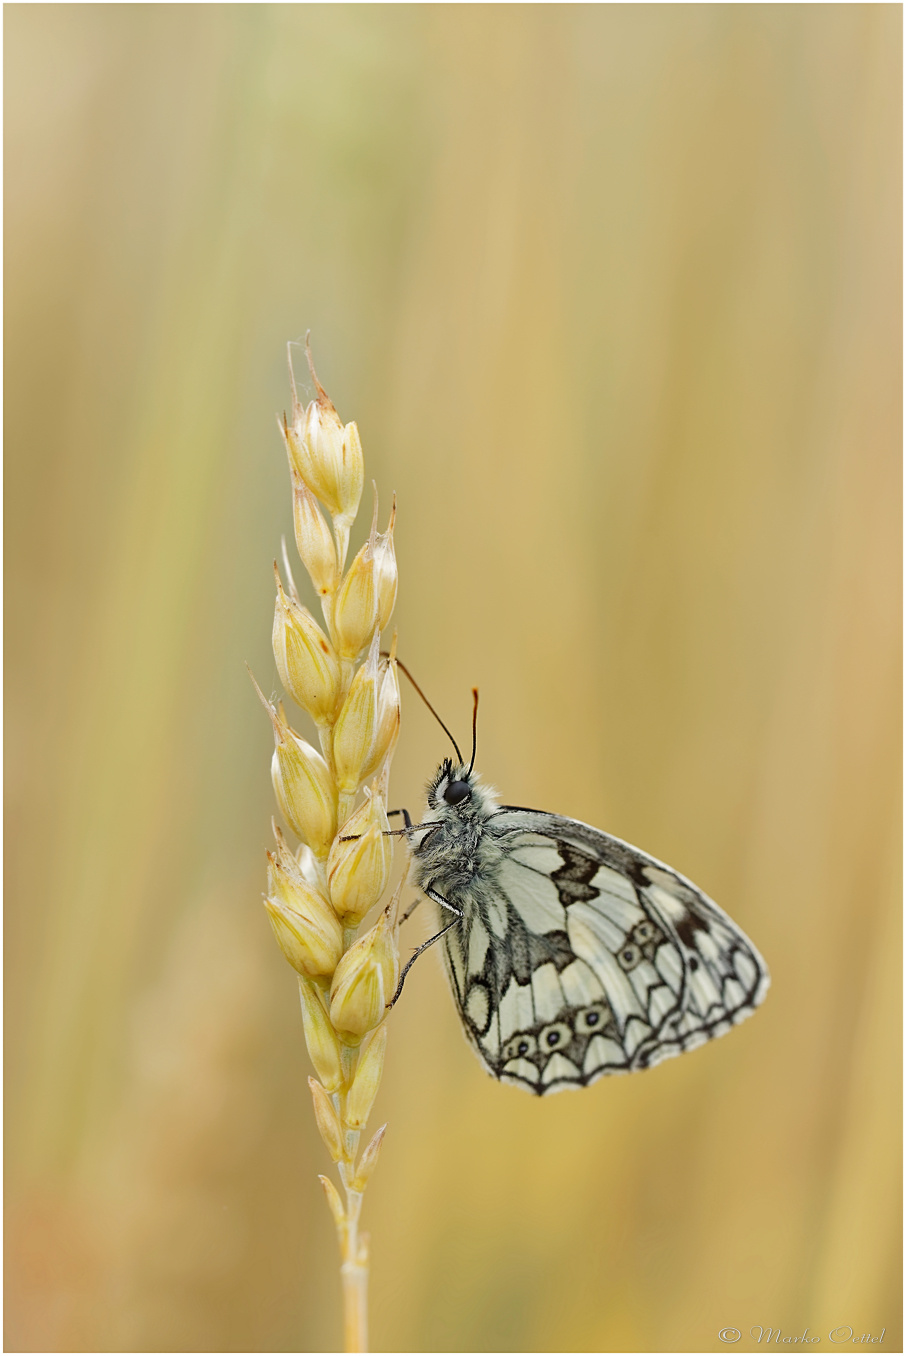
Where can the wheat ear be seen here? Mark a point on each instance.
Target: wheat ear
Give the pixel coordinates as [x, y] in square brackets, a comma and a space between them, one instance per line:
[318, 894]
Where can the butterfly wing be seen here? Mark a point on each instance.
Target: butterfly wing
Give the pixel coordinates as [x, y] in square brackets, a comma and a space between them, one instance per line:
[583, 956]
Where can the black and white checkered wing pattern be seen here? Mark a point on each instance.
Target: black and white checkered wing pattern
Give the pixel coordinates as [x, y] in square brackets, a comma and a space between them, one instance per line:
[582, 956]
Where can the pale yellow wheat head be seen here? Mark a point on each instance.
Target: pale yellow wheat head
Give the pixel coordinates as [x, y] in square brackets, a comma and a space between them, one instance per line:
[335, 803]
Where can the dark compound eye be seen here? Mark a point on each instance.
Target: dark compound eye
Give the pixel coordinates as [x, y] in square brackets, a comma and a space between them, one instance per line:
[457, 792]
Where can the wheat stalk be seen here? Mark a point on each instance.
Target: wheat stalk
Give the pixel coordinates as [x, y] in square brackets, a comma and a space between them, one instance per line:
[318, 895]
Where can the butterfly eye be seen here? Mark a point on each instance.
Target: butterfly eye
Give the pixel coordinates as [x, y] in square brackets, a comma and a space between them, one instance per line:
[457, 792]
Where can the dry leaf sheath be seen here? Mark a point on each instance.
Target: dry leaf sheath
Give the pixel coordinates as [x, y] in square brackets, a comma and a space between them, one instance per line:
[334, 799]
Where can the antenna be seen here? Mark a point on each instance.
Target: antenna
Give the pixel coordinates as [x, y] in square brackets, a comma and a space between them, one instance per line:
[385, 655]
[474, 726]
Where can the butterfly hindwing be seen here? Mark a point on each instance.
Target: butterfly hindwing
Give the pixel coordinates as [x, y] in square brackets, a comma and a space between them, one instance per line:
[580, 956]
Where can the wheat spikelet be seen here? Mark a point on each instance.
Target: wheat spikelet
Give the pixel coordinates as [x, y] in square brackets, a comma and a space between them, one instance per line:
[318, 894]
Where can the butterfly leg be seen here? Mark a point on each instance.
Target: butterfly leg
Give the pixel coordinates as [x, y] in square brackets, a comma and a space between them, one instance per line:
[444, 903]
[392, 833]
[438, 899]
[411, 909]
[409, 826]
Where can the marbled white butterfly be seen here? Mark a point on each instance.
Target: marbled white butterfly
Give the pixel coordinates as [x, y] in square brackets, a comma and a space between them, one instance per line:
[570, 954]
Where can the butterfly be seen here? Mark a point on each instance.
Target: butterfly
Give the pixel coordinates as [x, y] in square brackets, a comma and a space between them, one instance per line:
[571, 954]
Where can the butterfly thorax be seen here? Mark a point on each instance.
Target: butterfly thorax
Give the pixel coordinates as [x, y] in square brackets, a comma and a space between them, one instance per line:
[456, 847]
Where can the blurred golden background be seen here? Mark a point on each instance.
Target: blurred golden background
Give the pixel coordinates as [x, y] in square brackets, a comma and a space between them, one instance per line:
[613, 293]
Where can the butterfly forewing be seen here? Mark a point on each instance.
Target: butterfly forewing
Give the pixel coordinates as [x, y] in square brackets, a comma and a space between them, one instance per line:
[578, 956]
